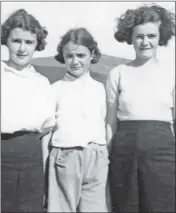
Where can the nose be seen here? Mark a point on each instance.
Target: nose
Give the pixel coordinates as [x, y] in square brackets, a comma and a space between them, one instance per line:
[74, 60]
[145, 41]
[22, 47]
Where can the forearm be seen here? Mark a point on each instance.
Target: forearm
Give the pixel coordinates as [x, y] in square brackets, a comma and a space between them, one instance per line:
[45, 148]
[173, 125]
[110, 131]
[174, 128]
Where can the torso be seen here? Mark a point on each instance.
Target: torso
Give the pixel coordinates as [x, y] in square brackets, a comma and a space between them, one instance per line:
[79, 115]
[145, 94]
[25, 98]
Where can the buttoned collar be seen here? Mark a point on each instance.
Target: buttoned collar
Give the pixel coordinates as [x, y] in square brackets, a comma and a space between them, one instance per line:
[82, 79]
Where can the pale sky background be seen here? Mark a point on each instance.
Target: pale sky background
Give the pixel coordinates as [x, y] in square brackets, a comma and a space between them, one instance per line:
[97, 17]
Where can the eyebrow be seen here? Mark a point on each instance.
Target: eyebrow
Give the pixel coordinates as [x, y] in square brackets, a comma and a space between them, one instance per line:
[75, 53]
[16, 38]
[152, 34]
[140, 34]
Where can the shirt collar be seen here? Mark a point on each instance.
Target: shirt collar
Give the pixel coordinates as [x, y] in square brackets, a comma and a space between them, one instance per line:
[28, 71]
[83, 79]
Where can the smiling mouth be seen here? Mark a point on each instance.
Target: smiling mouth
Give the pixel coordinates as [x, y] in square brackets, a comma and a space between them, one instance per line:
[76, 68]
[145, 48]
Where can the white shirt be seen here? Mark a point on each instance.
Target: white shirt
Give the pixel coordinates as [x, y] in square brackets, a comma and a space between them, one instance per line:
[26, 101]
[81, 112]
[142, 94]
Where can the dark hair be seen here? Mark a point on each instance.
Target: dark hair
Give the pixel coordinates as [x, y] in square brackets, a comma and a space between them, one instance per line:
[144, 14]
[21, 19]
[79, 36]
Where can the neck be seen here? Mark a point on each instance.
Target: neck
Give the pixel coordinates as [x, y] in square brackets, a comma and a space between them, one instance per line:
[16, 66]
[145, 62]
[84, 75]
[72, 77]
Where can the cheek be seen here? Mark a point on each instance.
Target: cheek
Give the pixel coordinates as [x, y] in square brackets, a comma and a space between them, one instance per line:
[155, 42]
[136, 44]
[87, 61]
[68, 62]
[12, 48]
[31, 49]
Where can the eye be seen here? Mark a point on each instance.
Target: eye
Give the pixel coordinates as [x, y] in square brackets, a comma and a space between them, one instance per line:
[139, 37]
[29, 42]
[151, 36]
[68, 56]
[16, 40]
[81, 55]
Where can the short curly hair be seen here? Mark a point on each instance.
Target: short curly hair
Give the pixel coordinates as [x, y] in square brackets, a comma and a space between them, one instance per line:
[21, 19]
[144, 14]
[79, 36]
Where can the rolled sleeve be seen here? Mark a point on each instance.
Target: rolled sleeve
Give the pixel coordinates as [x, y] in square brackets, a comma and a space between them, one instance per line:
[112, 86]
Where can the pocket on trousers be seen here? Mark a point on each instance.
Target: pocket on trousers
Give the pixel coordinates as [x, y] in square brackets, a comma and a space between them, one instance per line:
[63, 156]
[104, 154]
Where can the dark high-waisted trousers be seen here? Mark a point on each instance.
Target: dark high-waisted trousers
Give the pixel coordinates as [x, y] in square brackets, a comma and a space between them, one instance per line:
[22, 179]
[142, 167]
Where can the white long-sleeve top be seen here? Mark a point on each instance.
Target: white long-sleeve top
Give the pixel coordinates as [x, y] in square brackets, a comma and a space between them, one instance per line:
[26, 101]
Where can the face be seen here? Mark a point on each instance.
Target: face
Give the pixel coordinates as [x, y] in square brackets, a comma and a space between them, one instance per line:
[77, 58]
[145, 39]
[21, 45]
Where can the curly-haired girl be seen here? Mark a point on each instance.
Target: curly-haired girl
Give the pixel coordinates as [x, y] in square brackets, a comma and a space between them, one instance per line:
[140, 116]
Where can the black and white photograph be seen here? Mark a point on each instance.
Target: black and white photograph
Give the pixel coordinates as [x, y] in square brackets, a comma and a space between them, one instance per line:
[88, 106]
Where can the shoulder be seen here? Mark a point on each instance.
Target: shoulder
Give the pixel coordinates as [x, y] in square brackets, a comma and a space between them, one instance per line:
[167, 71]
[58, 86]
[3, 70]
[97, 85]
[38, 76]
[113, 76]
[172, 70]
[116, 71]
[44, 80]
[2, 65]
[97, 90]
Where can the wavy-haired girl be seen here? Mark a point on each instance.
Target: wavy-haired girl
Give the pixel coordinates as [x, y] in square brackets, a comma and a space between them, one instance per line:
[27, 112]
[141, 114]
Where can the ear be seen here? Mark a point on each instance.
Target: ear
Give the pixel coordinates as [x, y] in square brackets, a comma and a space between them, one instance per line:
[92, 54]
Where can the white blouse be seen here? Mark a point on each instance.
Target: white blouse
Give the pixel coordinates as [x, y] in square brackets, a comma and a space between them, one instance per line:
[81, 112]
[142, 94]
[26, 101]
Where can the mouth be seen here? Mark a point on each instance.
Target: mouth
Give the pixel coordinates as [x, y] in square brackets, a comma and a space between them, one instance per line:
[21, 56]
[143, 49]
[75, 68]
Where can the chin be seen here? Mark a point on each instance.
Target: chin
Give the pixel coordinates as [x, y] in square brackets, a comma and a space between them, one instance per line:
[76, 73]
[22, 63]
[145, 57]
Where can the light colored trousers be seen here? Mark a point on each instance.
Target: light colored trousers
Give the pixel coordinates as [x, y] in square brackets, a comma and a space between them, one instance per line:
[78, 179]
